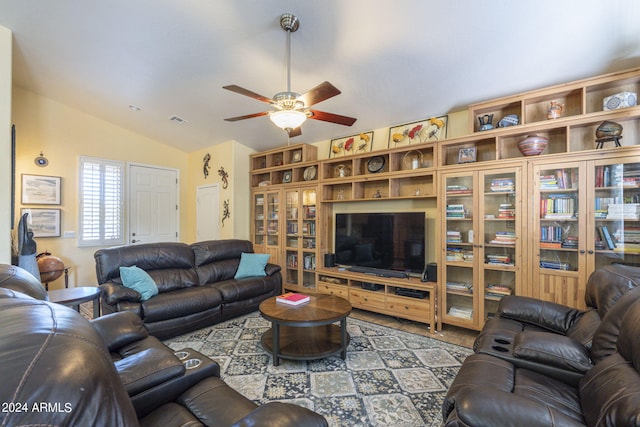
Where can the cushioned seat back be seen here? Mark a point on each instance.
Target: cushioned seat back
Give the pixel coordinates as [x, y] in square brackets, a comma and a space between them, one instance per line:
[610, 391]
[170, 264]
[217, 260]
[605, 338]
[19, 279]
[609, 283]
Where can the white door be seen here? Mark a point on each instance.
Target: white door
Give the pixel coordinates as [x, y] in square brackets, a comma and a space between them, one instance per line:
[208, 212]
[153, 204]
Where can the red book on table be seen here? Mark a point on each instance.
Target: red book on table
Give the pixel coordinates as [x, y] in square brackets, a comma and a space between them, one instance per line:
[292, 298]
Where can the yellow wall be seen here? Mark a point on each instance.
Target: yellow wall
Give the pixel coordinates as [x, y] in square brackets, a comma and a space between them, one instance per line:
[234, 158]
[5, 144]
[62, 134]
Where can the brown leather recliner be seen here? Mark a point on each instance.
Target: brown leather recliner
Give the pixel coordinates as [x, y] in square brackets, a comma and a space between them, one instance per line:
[552, 338]
[58, 368]
[490, 390]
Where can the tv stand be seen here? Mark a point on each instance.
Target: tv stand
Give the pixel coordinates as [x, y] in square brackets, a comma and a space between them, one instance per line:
[379, 272]
[403, 297]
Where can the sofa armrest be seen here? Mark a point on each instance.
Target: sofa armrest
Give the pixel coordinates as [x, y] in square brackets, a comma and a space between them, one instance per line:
[282, 415]
[552, 350]
[113, 293]
[554, 317]
[271, 269]
[120, 329]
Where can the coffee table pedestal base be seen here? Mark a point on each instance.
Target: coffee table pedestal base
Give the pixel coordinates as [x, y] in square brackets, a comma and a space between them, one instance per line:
[305, 343]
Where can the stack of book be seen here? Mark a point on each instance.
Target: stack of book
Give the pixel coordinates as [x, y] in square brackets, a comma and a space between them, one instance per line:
[630, 211]
[455, 211]
[506, 211]
[555, 265]
[459, 287]
[502, 185]
[606, 237]
[458, 189]
[570, 242]
[292, 298]
[497, 259]
[497, 290]
[461, 312]
[459, 255]
[507, 238]
[454, 236]
[548, 182]
[557, 206]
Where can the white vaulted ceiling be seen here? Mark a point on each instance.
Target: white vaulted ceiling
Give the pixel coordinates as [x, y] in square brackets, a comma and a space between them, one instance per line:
[394, 61]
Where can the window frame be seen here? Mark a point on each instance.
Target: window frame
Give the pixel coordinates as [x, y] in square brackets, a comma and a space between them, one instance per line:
[102, 202]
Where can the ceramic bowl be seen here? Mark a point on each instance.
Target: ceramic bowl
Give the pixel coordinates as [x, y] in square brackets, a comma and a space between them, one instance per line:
[533, 145]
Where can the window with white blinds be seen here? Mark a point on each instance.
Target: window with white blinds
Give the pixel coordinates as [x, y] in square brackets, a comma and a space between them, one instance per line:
[101, 202]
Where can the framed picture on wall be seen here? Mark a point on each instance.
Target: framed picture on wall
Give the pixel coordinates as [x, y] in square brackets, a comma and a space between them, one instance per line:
[40, 190]
[43, 222]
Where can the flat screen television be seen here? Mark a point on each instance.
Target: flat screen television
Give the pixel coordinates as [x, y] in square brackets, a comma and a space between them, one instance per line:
[381, 241]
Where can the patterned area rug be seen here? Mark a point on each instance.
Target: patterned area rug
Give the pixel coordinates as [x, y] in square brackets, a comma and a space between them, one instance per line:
[390, 377]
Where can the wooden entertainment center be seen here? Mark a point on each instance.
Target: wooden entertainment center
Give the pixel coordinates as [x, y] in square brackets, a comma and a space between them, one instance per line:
[505, 223]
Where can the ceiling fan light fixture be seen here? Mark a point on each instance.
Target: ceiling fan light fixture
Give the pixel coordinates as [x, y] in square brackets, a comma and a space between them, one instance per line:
[288, 119]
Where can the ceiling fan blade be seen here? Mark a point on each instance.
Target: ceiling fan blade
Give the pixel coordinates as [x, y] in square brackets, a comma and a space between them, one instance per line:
[323, 91]
[247, 92]
[248, 116]
[295, 132]
[330, 117]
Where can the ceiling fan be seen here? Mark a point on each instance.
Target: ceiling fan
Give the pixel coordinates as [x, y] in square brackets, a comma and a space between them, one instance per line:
[291, 108]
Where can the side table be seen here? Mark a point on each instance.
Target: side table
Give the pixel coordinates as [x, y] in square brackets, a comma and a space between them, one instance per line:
[73, 297]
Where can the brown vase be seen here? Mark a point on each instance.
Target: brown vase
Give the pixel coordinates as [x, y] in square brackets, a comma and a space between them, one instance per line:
[533, 145]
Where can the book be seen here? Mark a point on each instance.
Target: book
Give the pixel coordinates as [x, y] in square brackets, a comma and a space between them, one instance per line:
[292, 298]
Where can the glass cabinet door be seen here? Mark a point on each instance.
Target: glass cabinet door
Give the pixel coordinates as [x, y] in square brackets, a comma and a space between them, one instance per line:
[259, 229]
[499, 236]
[300, 239]
[273, 226]
[459, 302]
[559, 233]
[615, 219]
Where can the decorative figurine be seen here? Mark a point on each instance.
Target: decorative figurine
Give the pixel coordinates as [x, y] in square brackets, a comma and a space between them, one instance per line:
[226, 212]
[205, 166]
[27, 248]
[224, 175]
[509, 120]
[485, 122]
[555, 110]
[608, 131]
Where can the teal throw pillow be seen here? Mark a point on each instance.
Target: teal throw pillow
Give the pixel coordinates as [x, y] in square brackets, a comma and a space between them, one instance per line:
[139, 280]
[251, 265]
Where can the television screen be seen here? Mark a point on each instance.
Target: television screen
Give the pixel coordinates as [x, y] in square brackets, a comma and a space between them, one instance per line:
[390, 241]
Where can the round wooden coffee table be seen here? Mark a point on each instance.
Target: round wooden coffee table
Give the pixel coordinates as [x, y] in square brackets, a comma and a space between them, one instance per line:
[306, 331]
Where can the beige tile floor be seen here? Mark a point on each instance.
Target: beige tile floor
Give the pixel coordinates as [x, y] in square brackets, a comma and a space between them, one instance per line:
[451, 334]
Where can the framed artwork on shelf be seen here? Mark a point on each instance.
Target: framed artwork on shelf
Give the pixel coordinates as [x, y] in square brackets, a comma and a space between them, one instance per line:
[40, 190]
[43, 222]
[354, 144]
[467, 155]
[431, 129]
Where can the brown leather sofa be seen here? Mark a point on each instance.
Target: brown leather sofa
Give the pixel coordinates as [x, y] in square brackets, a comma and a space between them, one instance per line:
[548, 377]
[195, 283]
[552, 338]
[59, 369]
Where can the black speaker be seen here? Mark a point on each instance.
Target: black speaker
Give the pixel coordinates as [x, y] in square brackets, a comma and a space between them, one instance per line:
[430, 272]
[329, 260]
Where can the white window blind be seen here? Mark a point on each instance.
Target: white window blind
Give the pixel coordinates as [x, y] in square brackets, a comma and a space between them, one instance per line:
[101, 202]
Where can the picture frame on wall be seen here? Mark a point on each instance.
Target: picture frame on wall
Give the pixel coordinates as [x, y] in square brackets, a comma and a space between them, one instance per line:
[354, 144]
[40, 190]
[43, 222]
[431, 129]
[467, 155]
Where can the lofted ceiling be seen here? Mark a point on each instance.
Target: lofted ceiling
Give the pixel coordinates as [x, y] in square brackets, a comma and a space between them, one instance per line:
[394, 61]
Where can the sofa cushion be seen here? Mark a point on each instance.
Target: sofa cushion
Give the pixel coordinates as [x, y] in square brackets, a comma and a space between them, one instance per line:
[217, 250]
[183, 302]
[139, 280]
[245, 289]
[251, 265]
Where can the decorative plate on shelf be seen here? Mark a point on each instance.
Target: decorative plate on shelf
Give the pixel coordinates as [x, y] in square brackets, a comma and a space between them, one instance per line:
[375, 164]
[286, 177]
[309, 173]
